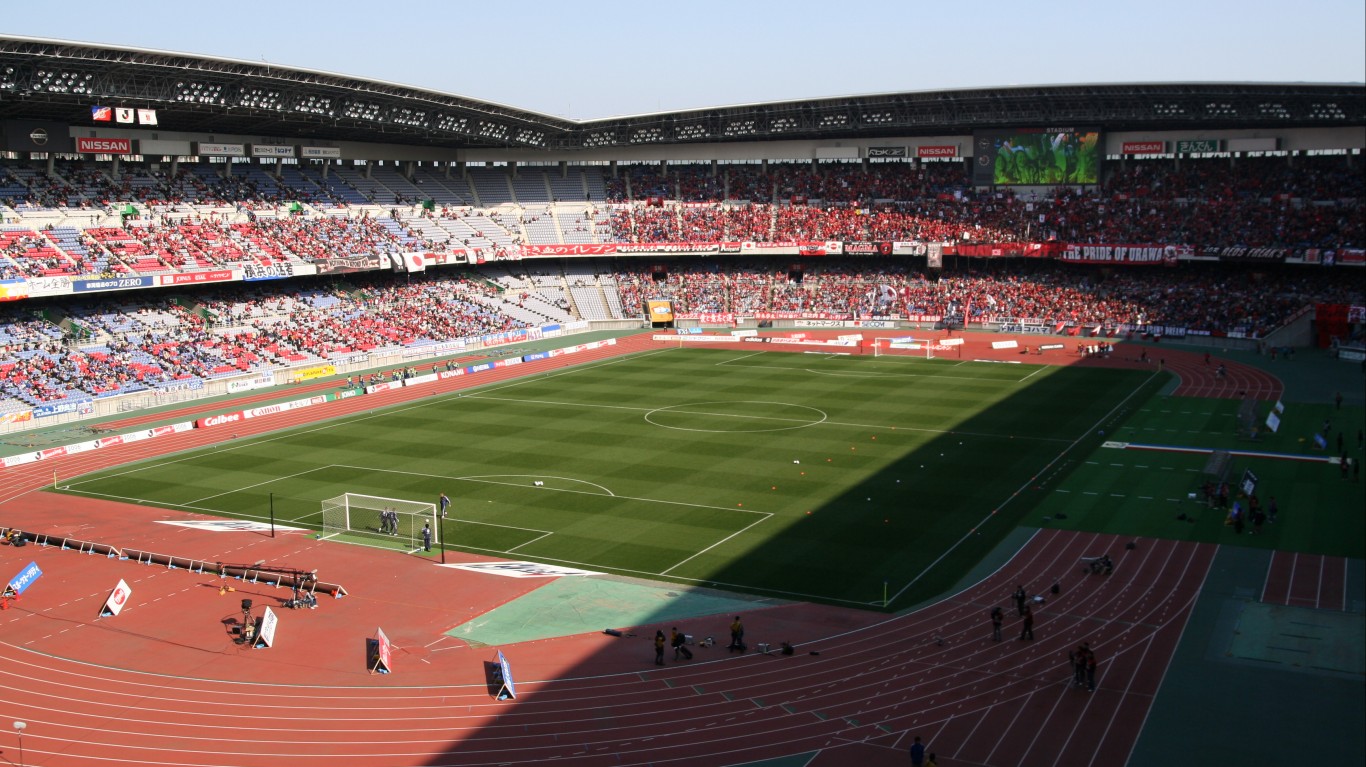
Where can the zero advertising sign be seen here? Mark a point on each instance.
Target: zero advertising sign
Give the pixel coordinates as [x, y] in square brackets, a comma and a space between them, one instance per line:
[117, 599]
[266, 636]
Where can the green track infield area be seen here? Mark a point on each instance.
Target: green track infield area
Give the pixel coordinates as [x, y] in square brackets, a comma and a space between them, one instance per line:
[821, 477]
[1150, 480]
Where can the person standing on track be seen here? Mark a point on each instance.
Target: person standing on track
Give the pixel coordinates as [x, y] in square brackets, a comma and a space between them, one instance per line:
[737, 636]
[1020, 597]
[1078, 660]
[659, 647]
[996, 620]
[1027, 627]
[1090, 670]
[917, 752]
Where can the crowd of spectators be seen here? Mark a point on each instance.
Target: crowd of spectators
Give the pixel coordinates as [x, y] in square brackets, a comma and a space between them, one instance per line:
[127, 348]
[1255, 202]
[1299, 202]
[1304, 202]
[1207, 297]
[124, 347]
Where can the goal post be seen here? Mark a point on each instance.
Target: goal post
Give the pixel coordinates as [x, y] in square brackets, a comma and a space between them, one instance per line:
[906, 346]
[379, 517]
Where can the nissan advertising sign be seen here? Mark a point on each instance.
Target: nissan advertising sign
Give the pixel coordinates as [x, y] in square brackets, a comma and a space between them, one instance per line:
[104, 145]
[938, 150]
[36, 136]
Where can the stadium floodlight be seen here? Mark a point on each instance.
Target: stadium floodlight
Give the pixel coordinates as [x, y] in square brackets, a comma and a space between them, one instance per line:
[259, 98]
[739, 128]
[530, 137]
[694, 131]
[415, 118]
[600, 138]
[488, 129]
[451, 123]
[647, 135]
[361, 110]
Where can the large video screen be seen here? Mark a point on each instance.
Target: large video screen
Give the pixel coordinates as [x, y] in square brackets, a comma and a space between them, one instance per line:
[1039, 157]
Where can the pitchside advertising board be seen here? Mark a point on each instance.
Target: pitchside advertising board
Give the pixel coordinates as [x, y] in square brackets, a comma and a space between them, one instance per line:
[1036, 156]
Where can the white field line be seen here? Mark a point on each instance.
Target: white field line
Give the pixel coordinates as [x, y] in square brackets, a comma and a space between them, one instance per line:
[878, 374]
[528, 543]
[248, 487]
[555, 489]
[675, 409]
[288, 432]
[718, 543]
[973, 530]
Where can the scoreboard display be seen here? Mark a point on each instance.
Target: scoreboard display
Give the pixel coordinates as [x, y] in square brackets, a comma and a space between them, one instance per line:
[1036, 157]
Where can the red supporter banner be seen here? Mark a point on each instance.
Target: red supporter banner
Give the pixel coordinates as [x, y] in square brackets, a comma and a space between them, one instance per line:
[219, 275]
[1007, 250]
[452, 256]
[104, 145]
[1243, 253]
[1352, 257]
[347, 264]
[1120, 254]
[708, 318]
[940, 150]
[868, 248]
[1143, 147]
[606, 249]
[668, 247]
[800, 316]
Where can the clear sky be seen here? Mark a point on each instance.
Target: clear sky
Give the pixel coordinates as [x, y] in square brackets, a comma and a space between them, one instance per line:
[603, 58]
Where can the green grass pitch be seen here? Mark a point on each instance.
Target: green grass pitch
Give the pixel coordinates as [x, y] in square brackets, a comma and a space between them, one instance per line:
[804, 476]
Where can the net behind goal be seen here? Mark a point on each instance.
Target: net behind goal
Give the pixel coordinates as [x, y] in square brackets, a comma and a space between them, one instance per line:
[379, 517]
[904, 347]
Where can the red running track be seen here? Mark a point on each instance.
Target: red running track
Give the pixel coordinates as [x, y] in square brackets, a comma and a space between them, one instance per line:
[155, 688]
[1306, 580]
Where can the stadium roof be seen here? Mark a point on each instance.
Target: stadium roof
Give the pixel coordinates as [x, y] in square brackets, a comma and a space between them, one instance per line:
[60, 80]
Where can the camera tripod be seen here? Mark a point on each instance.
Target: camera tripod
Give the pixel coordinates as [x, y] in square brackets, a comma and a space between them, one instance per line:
[248, 633]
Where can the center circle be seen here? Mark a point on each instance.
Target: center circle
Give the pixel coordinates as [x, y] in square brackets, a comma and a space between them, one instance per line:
[736, 416]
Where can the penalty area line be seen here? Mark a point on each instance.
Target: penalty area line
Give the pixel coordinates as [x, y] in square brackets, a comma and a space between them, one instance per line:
[973, 530]
[766, 516]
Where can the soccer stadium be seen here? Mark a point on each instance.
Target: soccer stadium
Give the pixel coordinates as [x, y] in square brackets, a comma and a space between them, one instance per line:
[356, 424]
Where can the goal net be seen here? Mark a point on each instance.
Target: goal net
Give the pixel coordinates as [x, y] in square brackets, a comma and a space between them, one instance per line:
[379, 517]
[905, 347]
